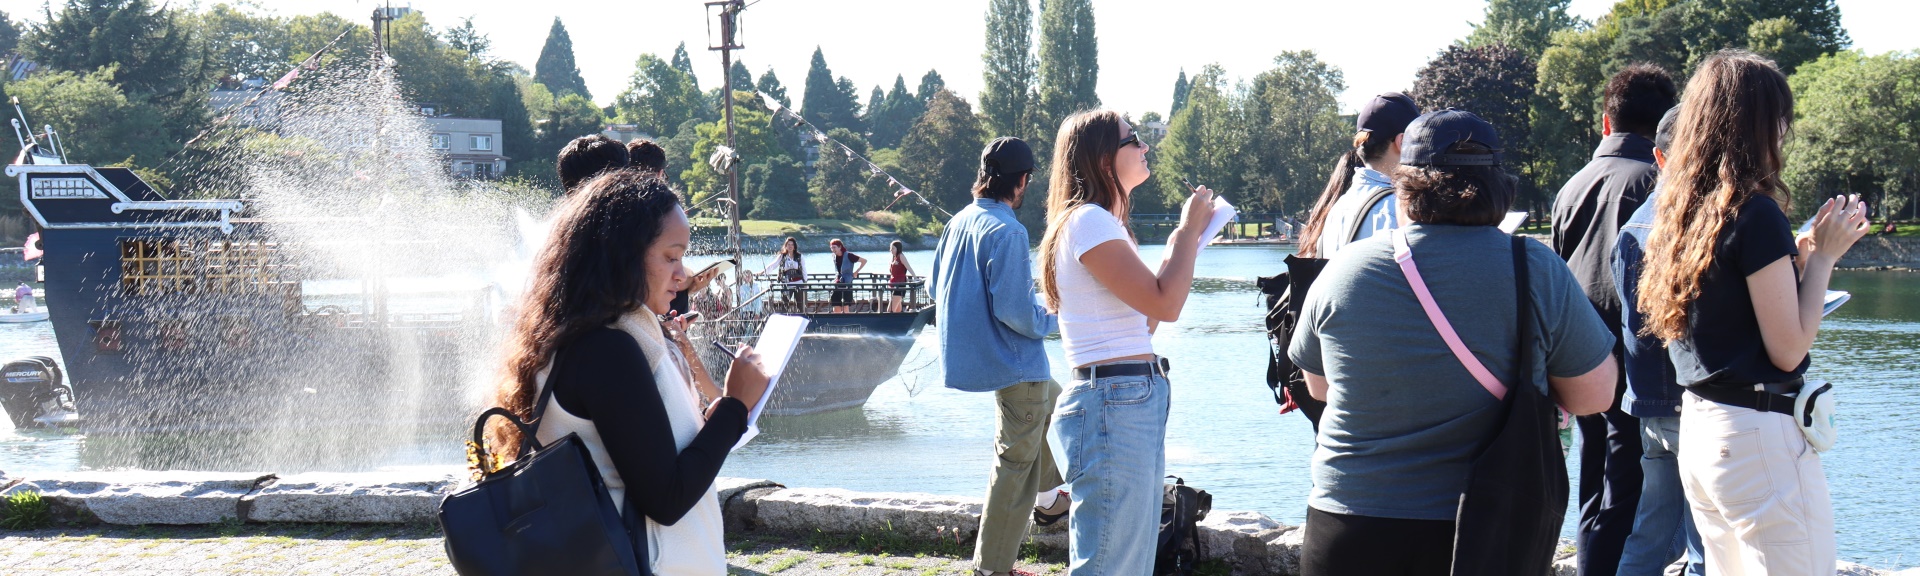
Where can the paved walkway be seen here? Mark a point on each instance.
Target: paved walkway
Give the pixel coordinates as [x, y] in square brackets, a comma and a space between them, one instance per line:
[417, 550]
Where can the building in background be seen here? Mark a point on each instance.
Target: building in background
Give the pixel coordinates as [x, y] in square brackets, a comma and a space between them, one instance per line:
[470, 146]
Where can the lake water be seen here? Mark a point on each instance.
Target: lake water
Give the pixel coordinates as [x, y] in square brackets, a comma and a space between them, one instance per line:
[1224, 434]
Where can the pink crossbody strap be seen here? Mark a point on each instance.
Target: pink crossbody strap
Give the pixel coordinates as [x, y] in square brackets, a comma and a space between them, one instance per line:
[1403, 255]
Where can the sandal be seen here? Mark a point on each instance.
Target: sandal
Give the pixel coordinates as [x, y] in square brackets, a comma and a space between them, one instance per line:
[1048, 516]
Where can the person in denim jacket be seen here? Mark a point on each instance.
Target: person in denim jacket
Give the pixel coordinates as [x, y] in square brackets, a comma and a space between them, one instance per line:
[992, 336]
[1662, 527]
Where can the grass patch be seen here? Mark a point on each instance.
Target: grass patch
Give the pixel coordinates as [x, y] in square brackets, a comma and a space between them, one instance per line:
[785, 563]
[25, 510]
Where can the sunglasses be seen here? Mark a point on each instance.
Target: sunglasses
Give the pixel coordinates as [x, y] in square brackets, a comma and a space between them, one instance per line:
[1133, 139]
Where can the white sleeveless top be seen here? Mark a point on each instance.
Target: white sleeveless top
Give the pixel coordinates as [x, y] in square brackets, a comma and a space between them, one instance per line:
[1094, 324]
[694, 545]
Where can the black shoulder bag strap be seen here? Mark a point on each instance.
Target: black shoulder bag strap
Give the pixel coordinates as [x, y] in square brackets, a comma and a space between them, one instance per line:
[1510, 514]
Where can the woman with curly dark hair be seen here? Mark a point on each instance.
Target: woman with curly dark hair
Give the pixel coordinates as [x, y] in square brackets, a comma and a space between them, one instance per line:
[590, 329]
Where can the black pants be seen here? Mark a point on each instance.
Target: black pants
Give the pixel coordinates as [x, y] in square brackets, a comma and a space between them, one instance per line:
[1609, 489]
[1342, 545]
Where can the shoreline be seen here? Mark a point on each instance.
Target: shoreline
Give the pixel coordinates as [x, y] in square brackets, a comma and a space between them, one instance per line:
[1244, 542]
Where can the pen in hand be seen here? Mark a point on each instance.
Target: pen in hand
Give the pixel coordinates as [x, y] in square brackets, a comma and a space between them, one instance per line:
[724, 350]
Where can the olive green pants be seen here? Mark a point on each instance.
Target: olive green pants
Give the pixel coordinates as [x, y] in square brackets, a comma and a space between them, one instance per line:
[1025, 468]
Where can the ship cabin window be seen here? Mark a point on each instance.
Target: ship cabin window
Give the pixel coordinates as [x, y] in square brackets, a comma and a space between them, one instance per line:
[442, 141]
[482, 143]
[241, 266]
[155, 266]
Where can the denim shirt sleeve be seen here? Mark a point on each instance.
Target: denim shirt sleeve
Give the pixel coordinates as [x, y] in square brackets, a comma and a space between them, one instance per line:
[1010, 288]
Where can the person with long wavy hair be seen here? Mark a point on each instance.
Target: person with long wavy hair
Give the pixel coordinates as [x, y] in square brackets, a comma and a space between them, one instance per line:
[1112, 418]
[589, 329]
[1738, 300]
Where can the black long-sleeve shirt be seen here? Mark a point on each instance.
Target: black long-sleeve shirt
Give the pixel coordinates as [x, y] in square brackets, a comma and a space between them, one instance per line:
[605, 378]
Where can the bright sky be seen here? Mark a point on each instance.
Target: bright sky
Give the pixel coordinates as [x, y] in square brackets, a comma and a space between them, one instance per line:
[1143, 44]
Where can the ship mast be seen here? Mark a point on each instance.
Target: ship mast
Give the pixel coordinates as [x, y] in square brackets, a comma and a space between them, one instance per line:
[729, 15]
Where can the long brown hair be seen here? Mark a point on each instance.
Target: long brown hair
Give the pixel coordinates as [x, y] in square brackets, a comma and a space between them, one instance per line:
[1364, 149]
[1083, 173]
[588, 275]
[1726, 149]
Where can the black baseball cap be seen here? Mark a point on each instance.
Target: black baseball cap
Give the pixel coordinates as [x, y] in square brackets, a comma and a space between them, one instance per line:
[1664, 136]
[1006, 155]
[1429, 136]
[1388, 114]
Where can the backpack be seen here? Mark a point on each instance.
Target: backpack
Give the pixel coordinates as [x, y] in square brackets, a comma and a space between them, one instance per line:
[1181, 509]
[1285, 293]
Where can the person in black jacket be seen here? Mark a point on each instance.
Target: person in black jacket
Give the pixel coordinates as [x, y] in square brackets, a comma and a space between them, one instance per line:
[589, 327]
[1587, 216]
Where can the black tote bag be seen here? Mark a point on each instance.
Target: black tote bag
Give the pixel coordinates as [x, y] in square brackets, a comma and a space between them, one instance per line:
[1516, 499]
[1286, 292]
[546, 513]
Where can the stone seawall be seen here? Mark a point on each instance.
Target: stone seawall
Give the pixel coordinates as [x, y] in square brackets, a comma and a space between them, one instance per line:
[1249, 542]
[1883, 252]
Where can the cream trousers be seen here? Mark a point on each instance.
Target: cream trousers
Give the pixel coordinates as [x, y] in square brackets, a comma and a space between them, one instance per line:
[1757, 491]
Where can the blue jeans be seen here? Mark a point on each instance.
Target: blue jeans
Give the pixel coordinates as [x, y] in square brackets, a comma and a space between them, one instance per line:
[1113, 430]
[1663, 524]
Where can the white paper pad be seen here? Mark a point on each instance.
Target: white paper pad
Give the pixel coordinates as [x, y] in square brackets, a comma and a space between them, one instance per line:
[1222, 214]
[1834, 299]
[778, 339]
[1512, 221]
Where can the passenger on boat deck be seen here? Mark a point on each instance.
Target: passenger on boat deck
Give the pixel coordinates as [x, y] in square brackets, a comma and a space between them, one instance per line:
[846, 267]
[586, 157]
[788, 268]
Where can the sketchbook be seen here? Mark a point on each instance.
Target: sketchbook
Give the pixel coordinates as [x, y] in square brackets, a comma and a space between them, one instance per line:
[778, 339]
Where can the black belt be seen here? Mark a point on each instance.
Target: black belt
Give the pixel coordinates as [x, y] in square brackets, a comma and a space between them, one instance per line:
[1132, 368]
[1770, 398]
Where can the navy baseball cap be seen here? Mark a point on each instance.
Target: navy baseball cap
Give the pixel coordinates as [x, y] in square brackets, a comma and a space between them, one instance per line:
[1664, 136]
[1388, 114]
[1430, 135]
[1006, 155]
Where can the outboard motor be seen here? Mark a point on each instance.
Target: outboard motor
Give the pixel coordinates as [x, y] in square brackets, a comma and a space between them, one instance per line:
[34, 393]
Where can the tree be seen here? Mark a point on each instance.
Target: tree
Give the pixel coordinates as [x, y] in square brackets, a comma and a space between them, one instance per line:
[1180, 92]
[1569, 85]
[152, 49]
[842, 186]
[469, 39]
[1293, 115]
[100, 124]
[1205, 142]
[556, 68]
[753, 139]
[684, 63]
[9, 35]
[741, 78]
[779, 190]
[1009, 66]
[770, 85]
[930, 83]
[1856, 118]
[572, 116]
[1495, 82]
[940, 156]
[244, 45]
[829, 104]
[1069, 61]
[1524, 25]
[659, 97]
[894, 115]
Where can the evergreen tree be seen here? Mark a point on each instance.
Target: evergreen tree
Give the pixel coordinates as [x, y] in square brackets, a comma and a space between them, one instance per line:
[842, 186]
[779, 190]
[1069, 61]
[684, 63]
[742, 79]
[1180, 90]
[940, 155]
[770, 85]
[572, 116]
[876, 103]
[829, 104]
[556, 68]
[895, 115]
[930, 84]
[152, 48]
[9, 34]
[1525, 25]
[1009, 66]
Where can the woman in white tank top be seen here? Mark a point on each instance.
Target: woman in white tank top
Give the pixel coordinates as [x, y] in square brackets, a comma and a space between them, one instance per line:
[1112, 419]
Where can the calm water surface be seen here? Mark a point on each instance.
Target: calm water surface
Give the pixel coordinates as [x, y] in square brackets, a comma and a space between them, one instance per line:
[1224, 434]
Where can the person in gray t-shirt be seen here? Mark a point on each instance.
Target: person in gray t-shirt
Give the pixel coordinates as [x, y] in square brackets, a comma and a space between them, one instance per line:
[1404, 417]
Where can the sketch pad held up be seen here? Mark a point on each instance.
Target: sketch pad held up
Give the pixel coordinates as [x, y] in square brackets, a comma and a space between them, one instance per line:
[778, 339]
[1222, 214]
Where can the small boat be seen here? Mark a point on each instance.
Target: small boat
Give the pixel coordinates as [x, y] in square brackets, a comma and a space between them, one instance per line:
[22, 317]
